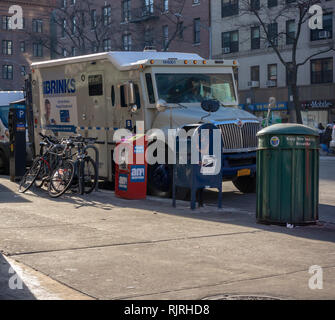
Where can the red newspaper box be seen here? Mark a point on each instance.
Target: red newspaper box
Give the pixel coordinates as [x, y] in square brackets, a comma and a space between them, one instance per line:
[131, 168]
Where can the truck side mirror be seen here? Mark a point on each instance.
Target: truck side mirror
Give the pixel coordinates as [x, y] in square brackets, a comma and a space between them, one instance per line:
[131, 94]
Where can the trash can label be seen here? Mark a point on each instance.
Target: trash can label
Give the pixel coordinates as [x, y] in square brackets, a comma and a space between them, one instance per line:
[137, 174]
[275, 141]
[123, 182]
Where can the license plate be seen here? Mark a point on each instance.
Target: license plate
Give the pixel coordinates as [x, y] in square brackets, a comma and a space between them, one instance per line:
[243, 172]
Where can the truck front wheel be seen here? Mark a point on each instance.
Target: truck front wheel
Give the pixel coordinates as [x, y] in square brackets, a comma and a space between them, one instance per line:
[160, 180]
[245, 184]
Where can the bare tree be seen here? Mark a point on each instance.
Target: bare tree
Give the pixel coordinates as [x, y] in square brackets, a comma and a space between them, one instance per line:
[264, 18]
[81, 26]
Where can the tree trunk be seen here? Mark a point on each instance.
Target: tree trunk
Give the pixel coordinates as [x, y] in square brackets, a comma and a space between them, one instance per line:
[296, 102]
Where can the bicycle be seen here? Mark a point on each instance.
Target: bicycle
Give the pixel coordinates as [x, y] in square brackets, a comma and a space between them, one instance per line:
[82, 170]
[42, 165]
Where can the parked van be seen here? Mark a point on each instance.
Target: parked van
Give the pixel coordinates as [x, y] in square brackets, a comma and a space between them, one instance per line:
[94, 95]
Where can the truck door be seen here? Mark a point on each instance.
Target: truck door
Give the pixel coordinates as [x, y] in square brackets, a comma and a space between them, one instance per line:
[94, 117]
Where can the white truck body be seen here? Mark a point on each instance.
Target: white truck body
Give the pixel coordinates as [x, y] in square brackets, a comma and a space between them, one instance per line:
[87, 95]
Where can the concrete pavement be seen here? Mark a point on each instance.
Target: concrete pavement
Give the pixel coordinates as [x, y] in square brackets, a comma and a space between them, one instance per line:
[102, 247]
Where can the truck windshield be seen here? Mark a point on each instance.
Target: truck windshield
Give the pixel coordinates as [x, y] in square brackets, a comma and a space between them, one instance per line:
[190, 88]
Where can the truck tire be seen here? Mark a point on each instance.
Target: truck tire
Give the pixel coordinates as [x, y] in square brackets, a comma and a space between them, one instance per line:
[245, 184]
[160, 180]
[4, 164]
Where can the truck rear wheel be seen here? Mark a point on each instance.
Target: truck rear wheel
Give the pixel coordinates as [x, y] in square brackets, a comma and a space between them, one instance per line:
[245, 184]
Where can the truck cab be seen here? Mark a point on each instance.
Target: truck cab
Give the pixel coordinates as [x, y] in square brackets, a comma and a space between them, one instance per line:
[96, 95]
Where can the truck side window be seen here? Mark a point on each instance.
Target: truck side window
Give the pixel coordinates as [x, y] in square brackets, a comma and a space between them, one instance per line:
[137, 96]
[113, 96]
[123, 96]
[150, 88]
[95, 85]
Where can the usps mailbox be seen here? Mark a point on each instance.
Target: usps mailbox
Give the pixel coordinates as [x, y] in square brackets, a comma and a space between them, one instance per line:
[198, 161]
[131, 168]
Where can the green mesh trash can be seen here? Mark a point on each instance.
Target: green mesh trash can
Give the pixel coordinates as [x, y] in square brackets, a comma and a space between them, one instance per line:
[287, 175]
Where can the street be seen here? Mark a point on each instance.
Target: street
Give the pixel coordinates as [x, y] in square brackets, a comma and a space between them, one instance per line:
[103, 247]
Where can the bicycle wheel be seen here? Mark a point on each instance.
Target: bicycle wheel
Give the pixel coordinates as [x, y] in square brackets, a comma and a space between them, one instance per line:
[61, 179]
[89, 175]
[42, 175]
[30, 176]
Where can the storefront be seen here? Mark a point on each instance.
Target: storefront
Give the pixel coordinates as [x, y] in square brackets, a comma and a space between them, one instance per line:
[279, 114]
[314, 112]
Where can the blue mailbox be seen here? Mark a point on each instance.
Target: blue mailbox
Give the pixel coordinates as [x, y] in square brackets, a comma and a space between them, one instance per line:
[198, 161]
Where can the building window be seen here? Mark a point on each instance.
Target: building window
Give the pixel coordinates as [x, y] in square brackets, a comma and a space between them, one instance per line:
[73, 2]
[273, 33]
[230, 41]
[6, 23]
[37, 50]
[322, 70]
[22, 46]
[74, 51]
[272, 3]
[254, 73]
[290, 31]
[272, 75]
[74, 25]
[64, 4]
[7, 47]
[126, 10]
[165, 31]
[64, 29]
[255, 4]
[255, 38]
[148, 7]
[148, 38]
[37, 26]
[196, 31]
[107, 43]
[327, 31]
[126, 40]
[107, 15]
[23, 71]
[7, 72]
[93, 19]
[165, 5]
[64, 52]
[229, 8]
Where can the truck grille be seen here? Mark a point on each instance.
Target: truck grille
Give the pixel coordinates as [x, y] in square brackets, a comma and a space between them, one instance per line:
[239, 138]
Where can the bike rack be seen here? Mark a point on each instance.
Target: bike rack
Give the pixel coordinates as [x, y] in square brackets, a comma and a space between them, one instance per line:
[96, 161]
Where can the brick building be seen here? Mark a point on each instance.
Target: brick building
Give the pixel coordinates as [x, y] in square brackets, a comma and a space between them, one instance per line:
[19, 47]
[84, 26]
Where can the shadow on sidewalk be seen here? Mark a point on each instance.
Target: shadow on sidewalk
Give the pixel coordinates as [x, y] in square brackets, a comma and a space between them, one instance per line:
[11, 285]
[241, 215]
[7, 195]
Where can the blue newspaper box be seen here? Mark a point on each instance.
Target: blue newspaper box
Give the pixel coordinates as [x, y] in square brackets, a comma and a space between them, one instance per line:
[198, 161]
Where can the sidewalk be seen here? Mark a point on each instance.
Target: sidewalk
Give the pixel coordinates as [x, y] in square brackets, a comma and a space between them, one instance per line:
[108, 248]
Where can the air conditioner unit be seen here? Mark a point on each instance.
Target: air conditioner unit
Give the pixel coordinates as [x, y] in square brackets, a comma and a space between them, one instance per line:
[271, 83]
[253, 84]
[325, 34]
[226, 50]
